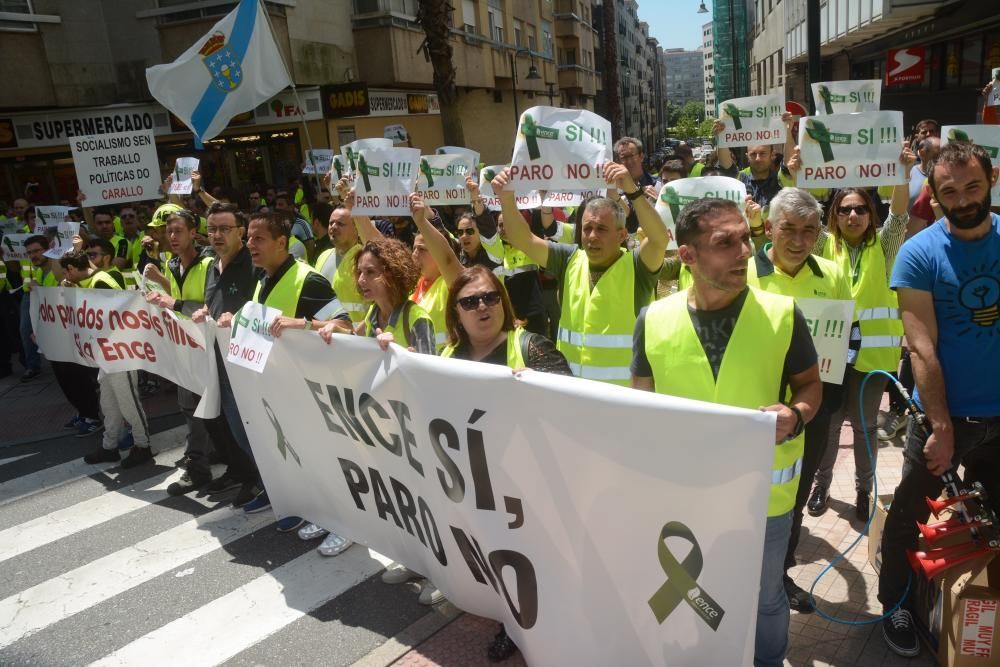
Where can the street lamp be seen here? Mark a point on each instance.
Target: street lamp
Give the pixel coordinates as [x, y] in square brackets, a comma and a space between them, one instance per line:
[532, 75]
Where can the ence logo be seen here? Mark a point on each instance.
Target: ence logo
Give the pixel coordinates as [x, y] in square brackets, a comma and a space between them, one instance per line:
[681, 581]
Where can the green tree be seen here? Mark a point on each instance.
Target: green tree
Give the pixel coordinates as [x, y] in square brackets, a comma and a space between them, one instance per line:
[686, 127]
[705, 129]
[694, 109]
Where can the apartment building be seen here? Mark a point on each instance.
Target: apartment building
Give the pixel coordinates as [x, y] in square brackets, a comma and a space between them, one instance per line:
[685, 76]
[708, 65]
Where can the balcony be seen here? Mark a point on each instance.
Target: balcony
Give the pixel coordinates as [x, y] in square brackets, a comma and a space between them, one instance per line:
[577, 79]
[569, 27]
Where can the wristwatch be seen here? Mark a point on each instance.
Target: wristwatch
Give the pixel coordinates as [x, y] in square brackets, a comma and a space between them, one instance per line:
[800, 423]
[309, 326]
[632, 196]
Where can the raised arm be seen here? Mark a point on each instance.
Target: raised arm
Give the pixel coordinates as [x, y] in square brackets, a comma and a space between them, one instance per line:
[654, 245]
[437, 244]
[724, 154]
[366, 228]
[517, 231]
[901, 193]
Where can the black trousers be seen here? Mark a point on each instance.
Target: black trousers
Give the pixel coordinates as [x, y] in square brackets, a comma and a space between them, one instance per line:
[79, 384]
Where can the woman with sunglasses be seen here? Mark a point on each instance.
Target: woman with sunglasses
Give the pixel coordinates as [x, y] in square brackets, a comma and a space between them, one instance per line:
[866, 255]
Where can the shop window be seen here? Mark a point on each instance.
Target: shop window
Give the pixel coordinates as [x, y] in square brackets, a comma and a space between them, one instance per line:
[951, 66]
[972, 62]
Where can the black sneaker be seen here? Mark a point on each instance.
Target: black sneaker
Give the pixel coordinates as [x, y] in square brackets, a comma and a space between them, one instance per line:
[899, 635]
[862, 506]
[246, 493]
[224, 483]
[137, 456]
[798, 598]
[182, 462]
[101, 455]
[189, 481]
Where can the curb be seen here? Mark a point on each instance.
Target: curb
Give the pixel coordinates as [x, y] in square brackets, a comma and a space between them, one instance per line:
[414, 634]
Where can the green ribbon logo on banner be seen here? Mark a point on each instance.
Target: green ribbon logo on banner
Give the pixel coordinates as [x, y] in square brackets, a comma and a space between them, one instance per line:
[284, 447]
[532, 133]
[682, 584]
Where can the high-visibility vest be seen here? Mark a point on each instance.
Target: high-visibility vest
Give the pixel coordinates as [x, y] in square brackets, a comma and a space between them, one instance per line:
[515, 350]
[285, 295]
[749, 377]
[434, 302]
[876, 308]
[3, 277]
[401, 329]
[595, 327]
[296, 248]
[341, 277]
[193, 288]
[134, 251]
[830, 283]
[100, 278]
[29, 273]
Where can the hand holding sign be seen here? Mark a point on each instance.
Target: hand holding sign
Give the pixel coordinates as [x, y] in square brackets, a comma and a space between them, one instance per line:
[184, 168]
[560, 149]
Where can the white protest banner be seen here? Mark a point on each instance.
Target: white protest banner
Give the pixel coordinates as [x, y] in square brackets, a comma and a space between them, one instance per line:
[471, 156]
[350, 151]
[339, 168]
[993, 98]
[384, 179]
[847, 96]
[830, 326]
[675, 195]
[116, 330]
[752, 120]
[396, 133]
[986, 136]
[517, 498]
[524, 201]
[251, 339]
[855, 149]
[115, 168]
[318, 161]
[13, 246]
[566, 199]
[560, 149]
[51, 215]
[442, 179]
[183, 169]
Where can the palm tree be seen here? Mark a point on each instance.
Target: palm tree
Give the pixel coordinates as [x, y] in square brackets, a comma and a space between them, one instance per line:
[433, 16]
[611, 85]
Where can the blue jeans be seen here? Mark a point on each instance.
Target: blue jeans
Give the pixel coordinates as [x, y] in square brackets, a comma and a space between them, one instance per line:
[771, 642]
[32, 359]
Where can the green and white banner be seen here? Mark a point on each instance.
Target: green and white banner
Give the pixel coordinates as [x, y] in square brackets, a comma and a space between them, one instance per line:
[525, 201]
[847, 96]
[675, 195]
[560, 149]
[752, 120]
[51, 215]
[856, 149]
[987, 136]
[471, 156]
[349, 154]
[830, 326]
[384, 179]
[441, 179]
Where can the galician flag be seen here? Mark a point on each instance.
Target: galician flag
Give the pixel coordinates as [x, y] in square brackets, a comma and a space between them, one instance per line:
[233, 69]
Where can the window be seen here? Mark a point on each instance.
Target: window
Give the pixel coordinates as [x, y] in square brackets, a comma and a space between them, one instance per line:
[496, 24]
[17, 7]
[547, 38]
[532, 38]
[518, 33]
[469, 16]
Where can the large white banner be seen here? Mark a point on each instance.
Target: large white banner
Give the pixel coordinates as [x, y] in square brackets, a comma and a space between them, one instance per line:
[115, 168]
[987, 136]
[752, 120]
[847, 96]
[830, 327]
[675, 195]
[525, 201]
[442, 179]
[602, 525]
[116, 330]
[384, 179]
[560, 149]
[855, 149]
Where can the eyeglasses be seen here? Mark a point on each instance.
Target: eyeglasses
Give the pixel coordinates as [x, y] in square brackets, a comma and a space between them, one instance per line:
[468, 231]
[472, 302]
[861, 209]
[220, 230]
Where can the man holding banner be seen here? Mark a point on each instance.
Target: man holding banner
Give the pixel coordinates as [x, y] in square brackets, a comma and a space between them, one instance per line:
[704, 343]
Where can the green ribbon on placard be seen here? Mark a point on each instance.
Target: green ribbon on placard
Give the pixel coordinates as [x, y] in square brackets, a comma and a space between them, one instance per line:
[532, 133]
[284, 447]
[682, 584]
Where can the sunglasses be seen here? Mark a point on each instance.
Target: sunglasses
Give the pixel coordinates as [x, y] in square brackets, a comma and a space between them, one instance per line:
[861, 209]
[468, 231]
[472, 302]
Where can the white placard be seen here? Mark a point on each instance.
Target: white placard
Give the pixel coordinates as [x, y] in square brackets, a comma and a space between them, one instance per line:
[183, 169]
[318, 161]
[847, 96]
[13, 246]
[560, 149]
[993, 98]
[251, 340]
[857, 149]
[987, 136]
[441, 179]
[397, 134]
[339, 167]
[525, 201]
[350, 151]
[752, 120]
[51, 215]
[471, 156]
[830, 327]
[384, 180]
[116, 168]
[568, 199]
[675, 195]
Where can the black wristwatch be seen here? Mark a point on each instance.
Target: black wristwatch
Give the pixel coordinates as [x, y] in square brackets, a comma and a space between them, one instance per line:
[632, 196]
[800, 424]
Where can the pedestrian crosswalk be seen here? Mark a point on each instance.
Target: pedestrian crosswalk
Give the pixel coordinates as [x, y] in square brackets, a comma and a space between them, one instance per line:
[100, 566]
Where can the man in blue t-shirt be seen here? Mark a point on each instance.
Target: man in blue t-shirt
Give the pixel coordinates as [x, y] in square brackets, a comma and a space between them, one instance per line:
[947, 278]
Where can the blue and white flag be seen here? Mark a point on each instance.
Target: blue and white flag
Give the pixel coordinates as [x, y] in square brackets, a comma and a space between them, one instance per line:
[232, 69]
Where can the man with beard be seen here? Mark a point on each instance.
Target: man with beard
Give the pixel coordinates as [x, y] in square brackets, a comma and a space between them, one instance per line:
[947, 278]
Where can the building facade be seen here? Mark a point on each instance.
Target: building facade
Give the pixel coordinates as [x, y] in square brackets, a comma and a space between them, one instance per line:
[708, 64]
[685, 76]
[731, 21]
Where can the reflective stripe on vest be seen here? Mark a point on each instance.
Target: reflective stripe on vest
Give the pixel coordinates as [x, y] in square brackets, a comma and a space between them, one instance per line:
[285, 295]
[880, 313]
[434, 302]
[881, 341]
[595, 333]
[504, 272]
[749, 376]
[410, 313]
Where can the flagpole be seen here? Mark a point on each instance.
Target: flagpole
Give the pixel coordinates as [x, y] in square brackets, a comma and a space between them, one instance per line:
[295, 92]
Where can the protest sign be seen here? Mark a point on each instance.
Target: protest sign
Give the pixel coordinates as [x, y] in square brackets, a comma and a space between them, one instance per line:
[993, 97]
[396, 133]
[59, 234]
[415, 457]
[318, 161]
[183, 169]
[833, 97]
[13, 246]
[471, 156]
[566, 199]
[350, 151]
[830, 326]
[115, 168]
[51, 215]
[752, 120]
[442, 179]
[384, 179]
[560, 149]
[116, 330]
[675, 195]
[339, 168]
[987, 136]
[251, 339]
[857, 149]
[526, 201]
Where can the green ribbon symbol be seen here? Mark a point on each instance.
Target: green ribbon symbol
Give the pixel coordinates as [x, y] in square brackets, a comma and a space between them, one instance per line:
[350, 157]
[670, 197]
[239, 320]
[827, 96]
[363, 169]
[284, 447]
[955, 134]
[817, 132]
[425, 169]
[735, 113]
[681, 584]
[339, 167]
[532, 133]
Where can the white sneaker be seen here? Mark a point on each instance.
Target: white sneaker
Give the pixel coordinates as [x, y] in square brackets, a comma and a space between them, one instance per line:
[429, 594]
[334, 545]
[311, 531]
[397, 574]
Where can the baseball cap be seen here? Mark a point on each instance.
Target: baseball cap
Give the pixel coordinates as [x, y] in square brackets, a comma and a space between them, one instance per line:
[161, 215]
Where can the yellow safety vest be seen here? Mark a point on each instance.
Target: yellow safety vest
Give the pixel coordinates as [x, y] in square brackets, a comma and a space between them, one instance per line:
[595, 327]
[100, 278]
[434, 302]
[515, 353]
[876, 308]
[341, 277]
[3, 277]
[29, 273]
[400, 330]
[749, 377]
[285, 295]
[830, 283]
[194, 281]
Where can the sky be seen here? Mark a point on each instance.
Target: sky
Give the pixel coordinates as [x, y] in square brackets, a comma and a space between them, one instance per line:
[675, 23]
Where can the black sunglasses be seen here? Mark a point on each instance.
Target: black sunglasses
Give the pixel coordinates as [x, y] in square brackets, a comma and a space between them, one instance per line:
[472, 302]
[860, 209]
[468, 231]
